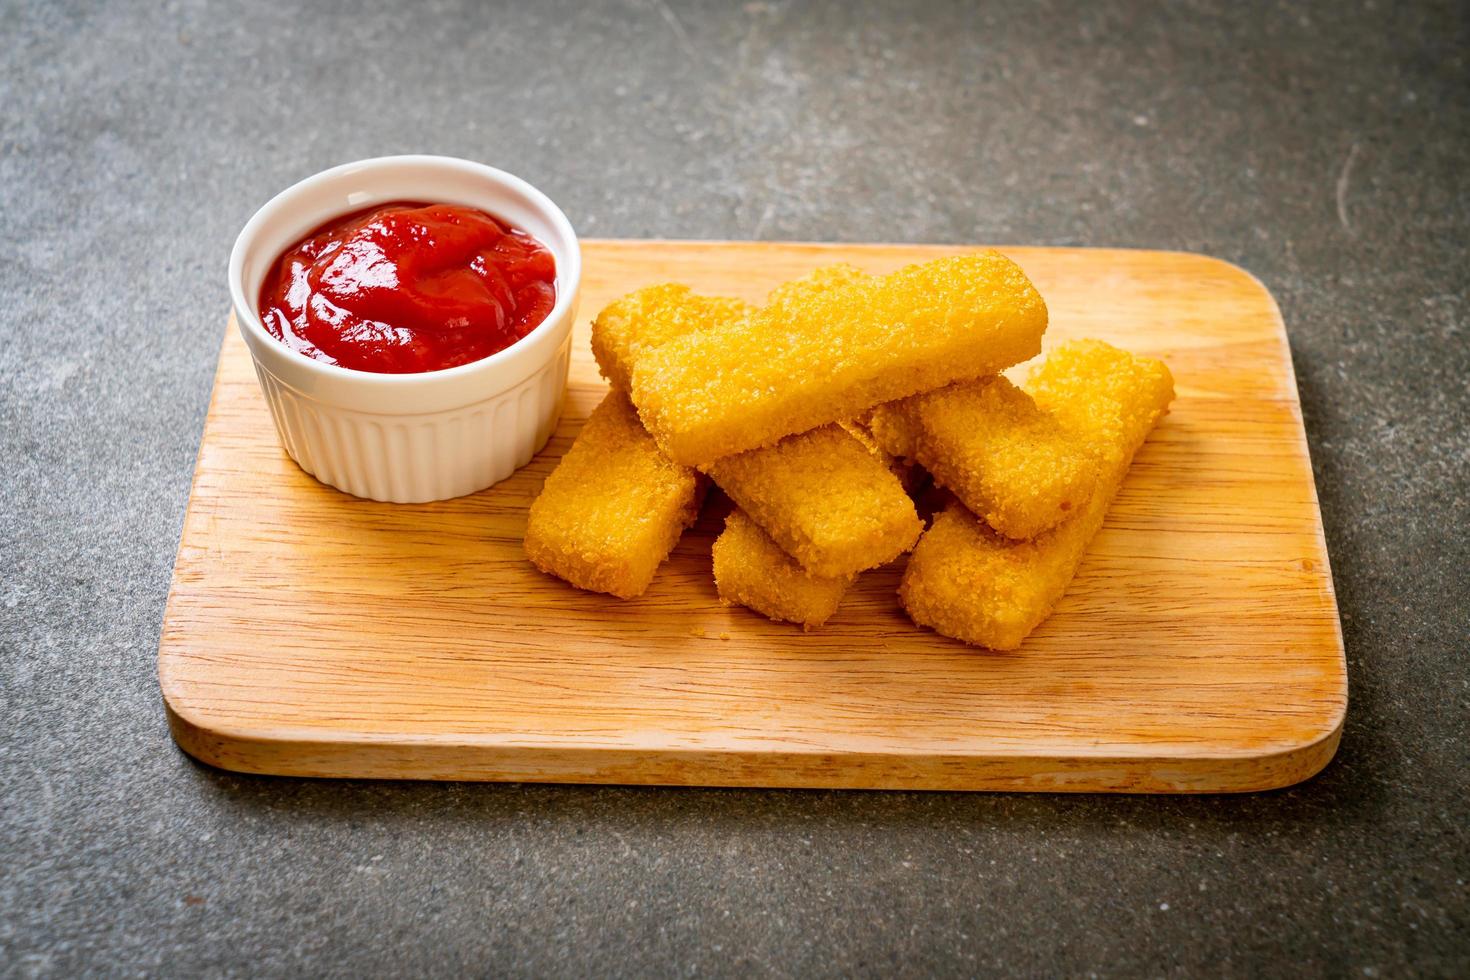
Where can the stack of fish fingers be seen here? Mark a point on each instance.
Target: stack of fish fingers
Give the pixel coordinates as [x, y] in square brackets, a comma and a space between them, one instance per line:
[813, 414]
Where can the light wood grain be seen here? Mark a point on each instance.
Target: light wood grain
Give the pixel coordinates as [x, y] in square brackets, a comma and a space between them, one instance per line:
[311, 633]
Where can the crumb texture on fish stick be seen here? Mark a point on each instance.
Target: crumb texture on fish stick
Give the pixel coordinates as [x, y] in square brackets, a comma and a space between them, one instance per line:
[825, 499]
[824, 355]
[818, 280]
[614, 506]
[909, 473]
[1009, 462]
[751, 570]
[968, 582]
[824, 495]
[652, 316]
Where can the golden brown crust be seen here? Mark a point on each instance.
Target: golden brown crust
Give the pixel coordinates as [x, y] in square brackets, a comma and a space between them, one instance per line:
[1010, 463]
[824, 355]
[643, 320]
[614, 506]
[968, 582]
[751, 570]
[822, 495]
[825, 499]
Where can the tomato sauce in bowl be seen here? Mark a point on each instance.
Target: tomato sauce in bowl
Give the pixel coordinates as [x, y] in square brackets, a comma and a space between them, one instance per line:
[408, 287]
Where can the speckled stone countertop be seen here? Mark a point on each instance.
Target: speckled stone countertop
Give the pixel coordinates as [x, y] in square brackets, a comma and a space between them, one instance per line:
[1321, 146]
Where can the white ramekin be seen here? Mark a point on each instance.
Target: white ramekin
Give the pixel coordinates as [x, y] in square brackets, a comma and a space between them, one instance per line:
[409, 438]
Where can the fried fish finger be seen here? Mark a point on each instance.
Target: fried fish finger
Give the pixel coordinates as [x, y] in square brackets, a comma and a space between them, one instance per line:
[822, 278]
[614, 506]
[909, 473]
[968, 582]
[822, 495]
[652, 316]
[825, 499]
[825, 355]
[1009, 462]
[751, 570]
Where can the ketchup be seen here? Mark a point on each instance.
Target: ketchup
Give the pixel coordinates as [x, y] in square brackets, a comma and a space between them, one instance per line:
[406, 287]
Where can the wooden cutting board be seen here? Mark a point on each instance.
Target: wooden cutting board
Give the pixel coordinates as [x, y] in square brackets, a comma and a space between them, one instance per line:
[309, 633]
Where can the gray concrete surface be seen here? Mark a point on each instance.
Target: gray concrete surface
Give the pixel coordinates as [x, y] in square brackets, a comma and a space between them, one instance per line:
[1322, 146]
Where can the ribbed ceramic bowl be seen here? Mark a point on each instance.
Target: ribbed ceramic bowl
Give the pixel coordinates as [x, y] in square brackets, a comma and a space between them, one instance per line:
[408, 438]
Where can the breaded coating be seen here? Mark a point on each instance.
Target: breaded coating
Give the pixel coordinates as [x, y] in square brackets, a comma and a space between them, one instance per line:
[909, 473]
[859, 517]
[819, 279]
[652, 316]
[891, 429]
[614, 506]
[751, 570]
[1009, 462]
[825, 499]
[968, 582]
[832, 354]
